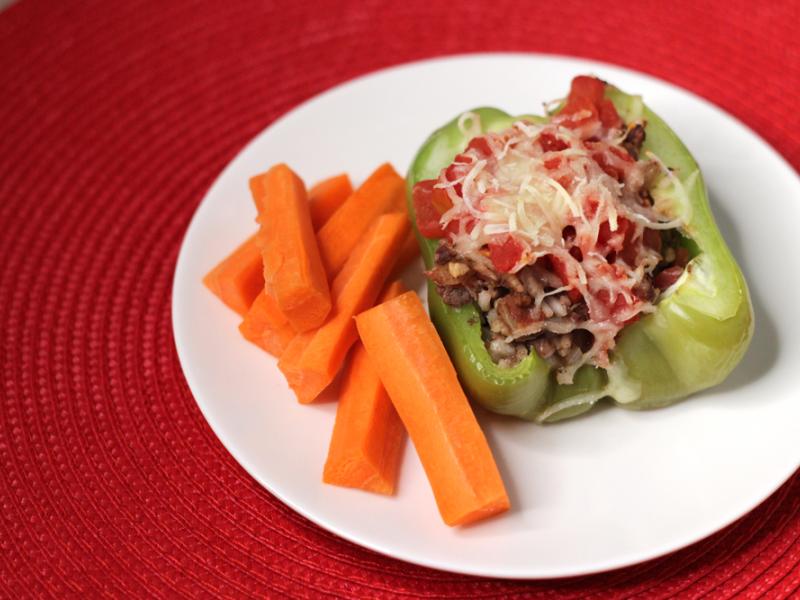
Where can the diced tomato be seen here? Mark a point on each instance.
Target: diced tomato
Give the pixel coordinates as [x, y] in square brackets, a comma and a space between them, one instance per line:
[604, 234]
[505, 254]
[559, 267]
[551, 143]
[592, 204]
[587, 93]
[552, 163]
[620, 302]
[667, 277]
[469, 225]
[579, 111]
[629, 253]
[652, 239]
[430, 203]
[605, 164]
[619, 242]
[608, 114]
[453, 172]
[480, 145]
[613, 239]
[584, 86]
[621, 154]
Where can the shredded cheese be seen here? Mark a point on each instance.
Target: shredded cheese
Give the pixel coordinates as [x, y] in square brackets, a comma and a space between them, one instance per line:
[538, 182]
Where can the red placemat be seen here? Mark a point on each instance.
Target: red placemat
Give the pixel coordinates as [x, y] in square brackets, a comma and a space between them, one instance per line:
[115, 117]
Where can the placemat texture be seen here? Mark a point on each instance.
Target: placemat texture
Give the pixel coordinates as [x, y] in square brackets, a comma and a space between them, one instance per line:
[115, 117]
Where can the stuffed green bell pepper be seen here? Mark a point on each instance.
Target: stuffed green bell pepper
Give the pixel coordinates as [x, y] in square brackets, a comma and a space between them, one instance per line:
[574, 257]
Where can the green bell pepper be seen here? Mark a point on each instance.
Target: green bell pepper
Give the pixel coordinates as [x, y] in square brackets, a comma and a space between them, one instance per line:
[700, 329]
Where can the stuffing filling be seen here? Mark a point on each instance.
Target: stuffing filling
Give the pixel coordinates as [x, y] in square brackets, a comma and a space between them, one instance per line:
[558, 232]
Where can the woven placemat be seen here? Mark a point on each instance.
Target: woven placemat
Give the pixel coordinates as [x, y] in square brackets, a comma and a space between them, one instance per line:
[115, 117]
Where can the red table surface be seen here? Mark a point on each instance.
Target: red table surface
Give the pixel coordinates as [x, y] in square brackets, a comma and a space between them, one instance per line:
[115, 117]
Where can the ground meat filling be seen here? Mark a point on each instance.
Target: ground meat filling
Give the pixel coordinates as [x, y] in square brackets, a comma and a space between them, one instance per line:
[512, 324]
[530, 308]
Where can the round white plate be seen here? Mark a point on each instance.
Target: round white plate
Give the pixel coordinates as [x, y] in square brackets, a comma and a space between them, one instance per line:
[602, 491]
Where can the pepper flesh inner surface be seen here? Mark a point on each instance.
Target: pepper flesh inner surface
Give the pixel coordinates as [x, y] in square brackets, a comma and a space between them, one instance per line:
[552, 229]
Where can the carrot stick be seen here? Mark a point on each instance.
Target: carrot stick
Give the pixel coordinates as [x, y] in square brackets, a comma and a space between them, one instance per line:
[239, 277]
[293, 271]
[266, 326]
[415, 369]
[368, 436]
[326, 196]
[312, 359]
[382, 192]
[408, 253]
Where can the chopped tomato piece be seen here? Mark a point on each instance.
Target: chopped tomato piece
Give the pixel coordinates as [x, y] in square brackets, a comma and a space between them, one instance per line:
[430, 203]
[652, 239]
[505, 254]
[620, 302]
[587, 94]
[611, 170]
[584, 86]
[551, 143]
[592, 204]
[552, 163]
[667, 277]
[617, 238]
[565, 181]
[579, 111]
[559, 267]
[620, 153]
[481, 145]
[608, 114]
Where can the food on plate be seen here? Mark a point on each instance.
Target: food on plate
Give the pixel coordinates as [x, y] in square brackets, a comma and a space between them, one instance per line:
[266, 326]
[313, 358]
[382, 192]
[570, 258]
[368, 437]
[238, 278]
[326, 197]
[293, 270]
[574, 257]
[417, 373]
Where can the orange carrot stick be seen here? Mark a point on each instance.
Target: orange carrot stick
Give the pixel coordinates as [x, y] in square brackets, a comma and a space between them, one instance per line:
[415, 369]
[312, 359]
[382, 192]
[239, 277]
[368, 436]
[327, 196]
[293, 271]
[266, 326]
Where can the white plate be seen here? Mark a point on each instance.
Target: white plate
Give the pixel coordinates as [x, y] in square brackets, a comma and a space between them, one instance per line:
[591, 494]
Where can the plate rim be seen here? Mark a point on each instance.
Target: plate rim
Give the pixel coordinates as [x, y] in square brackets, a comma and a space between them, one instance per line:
[245, 463]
